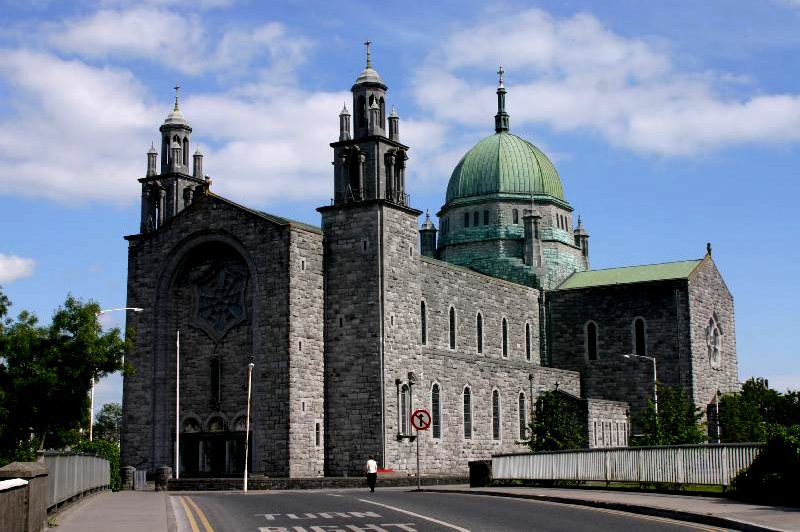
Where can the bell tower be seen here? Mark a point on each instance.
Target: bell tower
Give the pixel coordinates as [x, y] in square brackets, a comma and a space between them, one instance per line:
[167, 193]
[371, 276]
[369, 163]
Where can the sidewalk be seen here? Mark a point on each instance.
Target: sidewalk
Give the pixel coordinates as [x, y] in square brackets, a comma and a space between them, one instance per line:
[715, 511]
[123, 511]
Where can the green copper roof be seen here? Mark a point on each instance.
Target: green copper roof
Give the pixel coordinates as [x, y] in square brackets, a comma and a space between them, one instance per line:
[504, 163]
[630, 274]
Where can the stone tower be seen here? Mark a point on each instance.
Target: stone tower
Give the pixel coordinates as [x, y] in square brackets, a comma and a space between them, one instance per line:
[167, 193]
[371, 276]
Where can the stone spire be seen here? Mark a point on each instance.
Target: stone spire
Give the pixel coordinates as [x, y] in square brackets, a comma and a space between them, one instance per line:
[501, 118]
[344, 124]
[394, 125]
[427, 237]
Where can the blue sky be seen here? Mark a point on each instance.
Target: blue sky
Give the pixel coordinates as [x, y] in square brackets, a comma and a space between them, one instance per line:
[671, 124]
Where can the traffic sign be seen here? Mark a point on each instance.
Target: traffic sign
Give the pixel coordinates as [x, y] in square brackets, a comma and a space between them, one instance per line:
[421, 419]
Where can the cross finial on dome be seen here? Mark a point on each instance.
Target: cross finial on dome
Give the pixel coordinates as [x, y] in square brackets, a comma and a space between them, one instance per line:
[177, 88]
[500, 73]
[369, 58]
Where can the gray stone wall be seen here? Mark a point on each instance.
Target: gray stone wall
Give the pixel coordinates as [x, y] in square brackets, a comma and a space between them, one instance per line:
[607, 424]
[306, 355]
[613, 309]
[709, 296]
[353, 336]
[443, 285]
[162, 268]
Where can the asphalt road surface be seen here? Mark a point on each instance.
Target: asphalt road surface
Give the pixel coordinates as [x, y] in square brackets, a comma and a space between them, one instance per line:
[393, 510]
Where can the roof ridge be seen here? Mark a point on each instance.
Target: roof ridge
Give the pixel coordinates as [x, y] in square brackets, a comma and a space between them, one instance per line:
[641, 265]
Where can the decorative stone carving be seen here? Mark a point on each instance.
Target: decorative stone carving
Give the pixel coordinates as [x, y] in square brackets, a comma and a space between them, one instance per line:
[220, 298]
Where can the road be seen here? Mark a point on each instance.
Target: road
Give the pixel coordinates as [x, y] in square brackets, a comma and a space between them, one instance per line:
[392, 510]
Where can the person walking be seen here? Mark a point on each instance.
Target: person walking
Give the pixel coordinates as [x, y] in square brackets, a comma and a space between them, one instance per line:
[372, 473]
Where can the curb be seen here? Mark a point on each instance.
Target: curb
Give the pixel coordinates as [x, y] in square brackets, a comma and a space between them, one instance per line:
[678, 515]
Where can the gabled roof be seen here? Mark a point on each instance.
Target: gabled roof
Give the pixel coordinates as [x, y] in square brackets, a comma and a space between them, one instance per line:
[630, 274]
[271, 217]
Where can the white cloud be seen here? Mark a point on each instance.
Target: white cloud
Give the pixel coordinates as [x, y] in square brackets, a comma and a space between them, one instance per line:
[575, 74]
[180, 42]
[13, 267]
[70, 135]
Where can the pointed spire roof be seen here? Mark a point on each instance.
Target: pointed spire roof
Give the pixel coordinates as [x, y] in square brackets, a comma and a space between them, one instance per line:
[344, 112]
[152, 149]
[394, 112]
[176, 117]
[369, 74]
[501, 118]
[427, 225]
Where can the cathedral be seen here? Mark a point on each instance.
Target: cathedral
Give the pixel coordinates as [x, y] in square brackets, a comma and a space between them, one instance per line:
[353, 325]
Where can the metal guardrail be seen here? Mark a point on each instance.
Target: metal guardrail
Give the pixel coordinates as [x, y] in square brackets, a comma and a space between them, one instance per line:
[683, 464]
[73, 474]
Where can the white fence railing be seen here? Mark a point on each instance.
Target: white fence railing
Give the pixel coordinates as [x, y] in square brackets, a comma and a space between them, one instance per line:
[69, 475]
[684, 464]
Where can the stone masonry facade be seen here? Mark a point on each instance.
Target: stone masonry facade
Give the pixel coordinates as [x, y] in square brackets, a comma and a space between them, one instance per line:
[352, 326]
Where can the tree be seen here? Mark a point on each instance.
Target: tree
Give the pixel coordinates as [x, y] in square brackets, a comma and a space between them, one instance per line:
[749, 416]
[676, 421]
[556, 424]
[107, 423]
[46, 373]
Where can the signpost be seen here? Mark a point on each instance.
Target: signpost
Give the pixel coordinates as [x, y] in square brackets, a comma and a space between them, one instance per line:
[420, 420]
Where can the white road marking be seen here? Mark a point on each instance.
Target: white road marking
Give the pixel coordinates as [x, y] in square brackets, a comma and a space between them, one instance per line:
[431, 519]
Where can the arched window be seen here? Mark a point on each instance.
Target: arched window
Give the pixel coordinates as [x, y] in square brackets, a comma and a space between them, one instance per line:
[361, 112]
[423, 320]
[405, 407]
[515, 216]
[591, 340]
[714, 342]
[495, 415]
[476, 218]
[479, 331]
[240, 424]
[505, 337]
[486, 217]
[216, 424]
[191, 425]
[215, 380]
[452, 328]
[467, 413]
[382, 105]
[527, 341]
[185, 151]
[523, 417]
[466, 219]
[436, 412]
[639, 344]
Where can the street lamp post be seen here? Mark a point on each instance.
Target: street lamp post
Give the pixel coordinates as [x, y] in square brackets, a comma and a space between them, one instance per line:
[91, 392]
[655, 378]
[250, 367]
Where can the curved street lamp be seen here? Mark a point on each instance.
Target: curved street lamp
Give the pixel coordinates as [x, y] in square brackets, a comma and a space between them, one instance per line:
[91, 394]
[655, 378]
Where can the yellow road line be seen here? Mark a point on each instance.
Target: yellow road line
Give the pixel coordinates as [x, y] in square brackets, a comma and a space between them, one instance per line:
[200, 514]
[189, 515]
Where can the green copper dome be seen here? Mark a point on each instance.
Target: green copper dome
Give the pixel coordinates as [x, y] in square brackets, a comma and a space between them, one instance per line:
[504, 164]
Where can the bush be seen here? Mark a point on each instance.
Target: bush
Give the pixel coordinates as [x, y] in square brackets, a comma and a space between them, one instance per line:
[104, 449]
[772, 477]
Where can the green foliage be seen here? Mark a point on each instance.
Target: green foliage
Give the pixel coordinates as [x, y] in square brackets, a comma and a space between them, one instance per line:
[107, 423]
[772, 477]
[556, 424]
[104, 449]
[46, 373]
[675, 422]
[747, 416]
